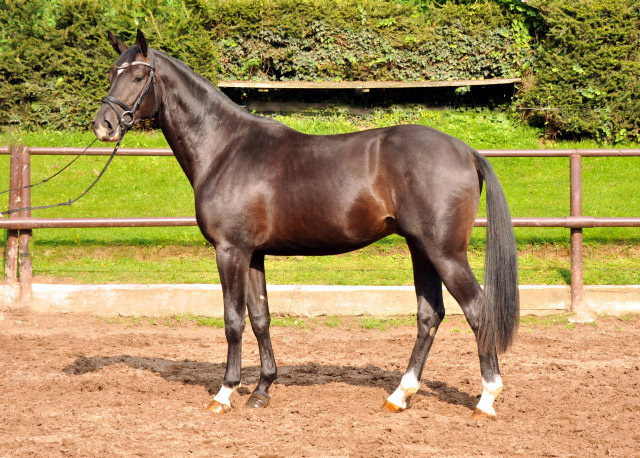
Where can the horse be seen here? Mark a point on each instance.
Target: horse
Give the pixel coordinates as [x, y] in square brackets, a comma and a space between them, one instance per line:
[263, 188]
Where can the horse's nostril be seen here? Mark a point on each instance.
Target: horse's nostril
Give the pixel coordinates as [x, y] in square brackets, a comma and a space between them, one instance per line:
[109, 127]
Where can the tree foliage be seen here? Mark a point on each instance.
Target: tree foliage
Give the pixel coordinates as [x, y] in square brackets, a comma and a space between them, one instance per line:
[54, 57]
[587, 80]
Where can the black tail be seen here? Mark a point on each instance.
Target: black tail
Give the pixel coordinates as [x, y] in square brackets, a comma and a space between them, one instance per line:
[500, 313]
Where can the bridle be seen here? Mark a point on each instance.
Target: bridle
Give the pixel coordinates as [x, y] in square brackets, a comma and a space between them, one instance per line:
[124, 125]
[130, 112]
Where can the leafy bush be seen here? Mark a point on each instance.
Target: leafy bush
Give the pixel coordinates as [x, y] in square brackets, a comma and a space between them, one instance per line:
[54, 57]
[587, 81]
[349, 40]
[526, 12]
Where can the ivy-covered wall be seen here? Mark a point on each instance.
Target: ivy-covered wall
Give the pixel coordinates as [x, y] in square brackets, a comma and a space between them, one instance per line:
[54, 56]
[354, 40]
[580, 59]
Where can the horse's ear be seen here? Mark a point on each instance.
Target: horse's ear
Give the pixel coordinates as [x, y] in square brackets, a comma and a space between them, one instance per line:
[142, 43]
[119, 46]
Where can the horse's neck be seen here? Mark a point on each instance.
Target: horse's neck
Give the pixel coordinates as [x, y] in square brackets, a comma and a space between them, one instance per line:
[197, 120]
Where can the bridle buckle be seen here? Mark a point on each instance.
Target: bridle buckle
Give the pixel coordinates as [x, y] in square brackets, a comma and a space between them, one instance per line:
[129, 113]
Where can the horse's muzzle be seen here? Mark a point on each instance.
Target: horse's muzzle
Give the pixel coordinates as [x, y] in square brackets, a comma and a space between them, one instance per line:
[106, 129]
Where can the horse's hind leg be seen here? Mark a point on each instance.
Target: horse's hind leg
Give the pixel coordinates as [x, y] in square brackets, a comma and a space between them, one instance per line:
[260, 321]
[430, 314]
[463, 286]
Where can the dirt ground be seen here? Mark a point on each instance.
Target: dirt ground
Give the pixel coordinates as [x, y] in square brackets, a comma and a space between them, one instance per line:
[82, 386]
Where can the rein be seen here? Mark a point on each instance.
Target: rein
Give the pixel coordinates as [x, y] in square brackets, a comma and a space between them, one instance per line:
[124, 125]
[70, 201]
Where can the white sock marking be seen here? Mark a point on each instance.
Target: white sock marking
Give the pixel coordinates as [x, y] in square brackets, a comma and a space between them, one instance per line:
[409, 385]
[490, 391]
[224, 394]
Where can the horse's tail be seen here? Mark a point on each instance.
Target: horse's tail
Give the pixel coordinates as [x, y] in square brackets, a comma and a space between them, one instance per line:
[500, 314]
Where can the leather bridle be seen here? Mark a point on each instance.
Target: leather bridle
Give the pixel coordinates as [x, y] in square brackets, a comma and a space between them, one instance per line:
[130, 112]
[124, 125]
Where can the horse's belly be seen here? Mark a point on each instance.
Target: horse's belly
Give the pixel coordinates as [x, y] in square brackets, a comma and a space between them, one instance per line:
[324, 236]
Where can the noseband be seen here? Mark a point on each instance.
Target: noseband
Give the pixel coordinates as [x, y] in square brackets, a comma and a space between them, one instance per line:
[130, 112]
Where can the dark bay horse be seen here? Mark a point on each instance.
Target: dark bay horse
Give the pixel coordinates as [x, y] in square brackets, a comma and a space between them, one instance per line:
[263, 188]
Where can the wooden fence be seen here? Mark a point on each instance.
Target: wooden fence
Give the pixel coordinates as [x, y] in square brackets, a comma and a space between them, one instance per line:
[20, 224]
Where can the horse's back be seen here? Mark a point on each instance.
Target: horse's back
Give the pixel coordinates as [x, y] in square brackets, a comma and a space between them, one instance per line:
[309, 194]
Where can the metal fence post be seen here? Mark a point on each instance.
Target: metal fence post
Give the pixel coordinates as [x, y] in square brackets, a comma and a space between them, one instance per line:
[577, 260]
[24, 239]
[11, 253]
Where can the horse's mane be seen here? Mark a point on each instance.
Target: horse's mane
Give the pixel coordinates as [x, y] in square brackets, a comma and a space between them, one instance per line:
[208, 87]
[184, 67]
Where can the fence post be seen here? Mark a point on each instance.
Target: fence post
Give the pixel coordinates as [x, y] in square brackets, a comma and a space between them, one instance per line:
[11, 253]
[577, 260]
[24, 239]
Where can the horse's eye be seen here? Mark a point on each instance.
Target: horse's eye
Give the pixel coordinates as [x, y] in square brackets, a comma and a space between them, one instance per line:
[137, 79]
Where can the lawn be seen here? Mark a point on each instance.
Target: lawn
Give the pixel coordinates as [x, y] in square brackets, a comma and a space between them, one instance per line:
[155, 186]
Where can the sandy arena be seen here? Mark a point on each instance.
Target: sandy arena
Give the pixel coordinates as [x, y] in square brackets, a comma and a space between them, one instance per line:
[82, 386]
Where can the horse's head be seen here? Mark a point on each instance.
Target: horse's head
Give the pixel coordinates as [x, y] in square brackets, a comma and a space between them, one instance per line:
[133, 93]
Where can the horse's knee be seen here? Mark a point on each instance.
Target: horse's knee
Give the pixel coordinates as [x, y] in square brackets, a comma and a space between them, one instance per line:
[233, 329]
[260, 324]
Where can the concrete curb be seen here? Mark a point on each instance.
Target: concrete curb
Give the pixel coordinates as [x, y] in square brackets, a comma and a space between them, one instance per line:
[303, 300]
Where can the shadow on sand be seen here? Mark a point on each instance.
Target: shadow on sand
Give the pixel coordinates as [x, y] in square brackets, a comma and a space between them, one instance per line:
[210, 375]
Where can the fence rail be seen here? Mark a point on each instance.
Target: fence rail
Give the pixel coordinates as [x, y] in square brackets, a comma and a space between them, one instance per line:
[362, 85]
[567, 222]
[20, 225]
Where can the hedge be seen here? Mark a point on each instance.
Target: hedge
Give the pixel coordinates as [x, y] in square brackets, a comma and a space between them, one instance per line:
[54, 57]
[349, 40]
[587, 79]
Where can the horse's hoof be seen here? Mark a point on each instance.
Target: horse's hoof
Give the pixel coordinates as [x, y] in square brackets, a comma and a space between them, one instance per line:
[218, 408]
[481, 414]
[258, 400]
[391, 407]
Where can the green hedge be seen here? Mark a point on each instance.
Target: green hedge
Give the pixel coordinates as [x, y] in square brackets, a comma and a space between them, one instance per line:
[54, 57]
[587, 80]
[375, 40]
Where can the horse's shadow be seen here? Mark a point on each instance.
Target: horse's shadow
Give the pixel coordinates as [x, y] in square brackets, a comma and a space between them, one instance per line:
[209, 375]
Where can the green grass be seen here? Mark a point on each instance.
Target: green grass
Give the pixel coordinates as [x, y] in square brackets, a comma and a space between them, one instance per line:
[547, 320]
[283, 321]
[156, 186]
[375, 265]
[332, 321]
[289, 321]
[374, 323]
[383, 324]
[207, 321]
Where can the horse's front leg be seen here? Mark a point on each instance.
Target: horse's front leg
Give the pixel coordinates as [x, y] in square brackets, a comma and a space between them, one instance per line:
[233, 266]
[260, 321]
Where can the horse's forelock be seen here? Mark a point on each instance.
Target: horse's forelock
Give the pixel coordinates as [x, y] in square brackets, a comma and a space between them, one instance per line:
[128, 56]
